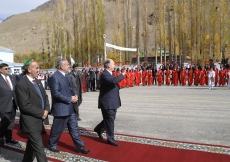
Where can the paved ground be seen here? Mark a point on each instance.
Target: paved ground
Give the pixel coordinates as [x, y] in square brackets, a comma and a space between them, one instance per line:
[191, 114]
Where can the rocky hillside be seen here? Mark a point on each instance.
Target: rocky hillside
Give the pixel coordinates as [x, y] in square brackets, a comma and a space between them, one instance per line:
[22, 33]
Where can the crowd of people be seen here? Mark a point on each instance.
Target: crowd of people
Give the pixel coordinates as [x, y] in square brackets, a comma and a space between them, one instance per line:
[164, 75]
[26, 91]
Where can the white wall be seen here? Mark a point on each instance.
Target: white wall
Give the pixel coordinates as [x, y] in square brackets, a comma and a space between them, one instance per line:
[7, 57]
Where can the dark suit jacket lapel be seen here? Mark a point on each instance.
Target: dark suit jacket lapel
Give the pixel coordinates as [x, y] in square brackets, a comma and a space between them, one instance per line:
[12, 79]
[41, 89]
[4, 81]
[106, 71]
[31, 86]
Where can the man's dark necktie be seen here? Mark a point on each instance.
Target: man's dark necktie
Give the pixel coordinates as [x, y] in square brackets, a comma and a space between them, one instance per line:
[8, 83]
[39, 92]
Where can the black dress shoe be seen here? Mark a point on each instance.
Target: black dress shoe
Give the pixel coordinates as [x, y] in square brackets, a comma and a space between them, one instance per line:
[2, 141]
[79, 119]
[113, 143]
[99, 134]
[53, 149]
[83, 150]
[11, 141]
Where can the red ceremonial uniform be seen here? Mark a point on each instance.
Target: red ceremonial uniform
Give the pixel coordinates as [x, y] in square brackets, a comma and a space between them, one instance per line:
[216, 76]
[114, 73]
[159, 77]
[226, 75]
[175, 77]
[127, 78]
[132, 77]
[222, 74]
[183, 77]
[190, 77]
[144, 75]
[150, 78]
[83, 82]
[167, 77]
[196, 77]
[119, 83]
[202, 77]
[138, 77]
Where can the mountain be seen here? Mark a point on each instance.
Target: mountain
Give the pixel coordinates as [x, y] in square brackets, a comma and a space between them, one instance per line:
[23, 32]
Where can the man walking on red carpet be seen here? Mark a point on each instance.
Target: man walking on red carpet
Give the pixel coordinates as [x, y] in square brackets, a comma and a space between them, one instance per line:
[109, 101]
[8, 104]
[34, 107]
[64, 95]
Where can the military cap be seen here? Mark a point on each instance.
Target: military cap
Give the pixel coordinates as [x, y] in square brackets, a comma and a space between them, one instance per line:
[26, 64]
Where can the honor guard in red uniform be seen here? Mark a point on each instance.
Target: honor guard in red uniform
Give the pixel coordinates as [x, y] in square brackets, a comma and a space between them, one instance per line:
[168, 76]
[118, 73]
[226, 75]
[196, 76]
[202, 77]
[183, 76]
[159, 76]
[144, 76]
[114, 72]
[150, 77]
[190, 76]
[138, 77]
[175, 76]
[132, 78]
[222, 75]
[127, 78]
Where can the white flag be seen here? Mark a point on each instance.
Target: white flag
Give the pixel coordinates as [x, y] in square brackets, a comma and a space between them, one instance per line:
[72, 61]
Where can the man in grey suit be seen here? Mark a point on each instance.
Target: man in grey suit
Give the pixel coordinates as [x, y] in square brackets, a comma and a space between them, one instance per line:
[109, 101]
[8, 104]
[64, 95]
[76, 76]
[34, 107]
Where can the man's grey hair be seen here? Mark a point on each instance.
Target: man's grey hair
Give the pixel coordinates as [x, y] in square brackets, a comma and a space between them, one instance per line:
[60, 63]
[106, 63]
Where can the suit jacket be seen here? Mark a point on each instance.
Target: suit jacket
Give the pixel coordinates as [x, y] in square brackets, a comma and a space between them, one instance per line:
[30, 105]
[109, 97]
[62, 90]
[92, 75]
[6, 95]
[19, 77]
[77, 84]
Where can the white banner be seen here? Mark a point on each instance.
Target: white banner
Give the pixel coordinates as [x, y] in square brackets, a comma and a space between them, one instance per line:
[121, 48]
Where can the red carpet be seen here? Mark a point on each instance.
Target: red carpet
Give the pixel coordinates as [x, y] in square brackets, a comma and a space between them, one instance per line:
[128, 151]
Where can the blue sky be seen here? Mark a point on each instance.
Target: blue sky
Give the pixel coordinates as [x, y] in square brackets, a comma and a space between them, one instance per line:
[13, 7]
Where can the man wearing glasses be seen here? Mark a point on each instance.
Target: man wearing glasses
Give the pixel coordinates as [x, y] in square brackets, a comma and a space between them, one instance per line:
[8, 104]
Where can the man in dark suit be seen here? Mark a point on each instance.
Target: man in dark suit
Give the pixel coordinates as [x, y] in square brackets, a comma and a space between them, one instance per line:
[97, 72]
[109, 101]
[154, 74]
[8, 104]
[34, 107]
[92, 78]
[19, 76]
[76, 76]
[64, 95]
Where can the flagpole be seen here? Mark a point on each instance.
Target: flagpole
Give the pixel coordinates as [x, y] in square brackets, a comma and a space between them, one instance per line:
[104, 36]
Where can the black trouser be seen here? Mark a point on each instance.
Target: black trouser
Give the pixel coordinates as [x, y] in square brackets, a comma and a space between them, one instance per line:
[34, 148]
[76, 108]
[92, 83]
[154, 80]
[7, 124]
[87, 85]
[97, 82]
[107, 123]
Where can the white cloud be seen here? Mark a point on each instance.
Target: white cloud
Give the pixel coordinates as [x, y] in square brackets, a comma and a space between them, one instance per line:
[12, 7]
